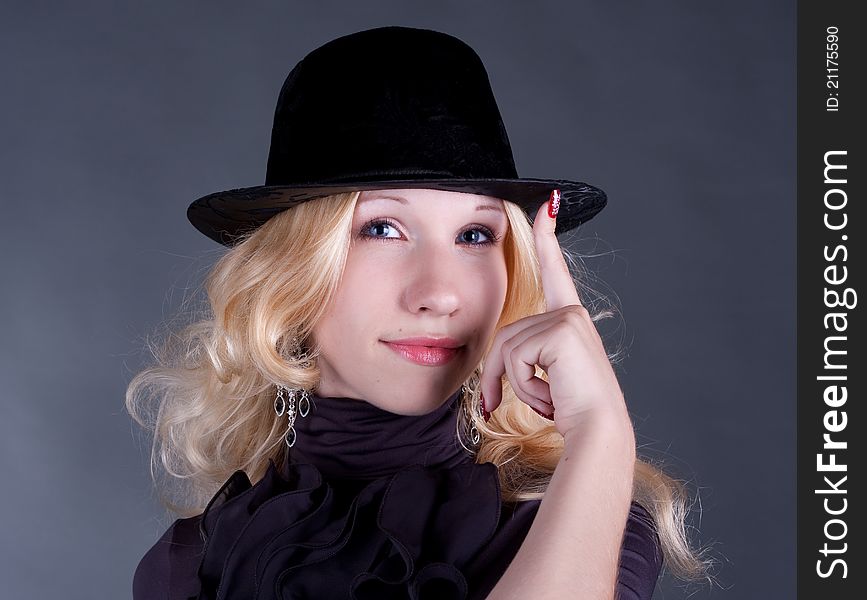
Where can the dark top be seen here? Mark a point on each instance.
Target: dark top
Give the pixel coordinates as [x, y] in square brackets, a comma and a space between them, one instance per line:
[368, 505]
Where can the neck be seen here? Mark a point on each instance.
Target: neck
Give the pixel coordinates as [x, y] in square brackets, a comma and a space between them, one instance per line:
[348, 438]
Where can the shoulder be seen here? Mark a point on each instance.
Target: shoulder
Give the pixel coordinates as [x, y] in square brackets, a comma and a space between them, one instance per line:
[641, 532]
[640, 555]
[168, 570]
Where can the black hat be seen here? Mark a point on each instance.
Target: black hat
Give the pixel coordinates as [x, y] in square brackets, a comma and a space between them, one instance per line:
[387, 108]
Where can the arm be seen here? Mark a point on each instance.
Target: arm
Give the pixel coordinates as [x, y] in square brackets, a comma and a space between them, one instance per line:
[573, 547]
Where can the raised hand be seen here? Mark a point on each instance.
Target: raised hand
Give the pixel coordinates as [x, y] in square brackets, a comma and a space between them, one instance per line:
[563, 341]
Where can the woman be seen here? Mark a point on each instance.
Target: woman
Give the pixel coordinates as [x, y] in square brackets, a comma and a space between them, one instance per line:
[401, 362]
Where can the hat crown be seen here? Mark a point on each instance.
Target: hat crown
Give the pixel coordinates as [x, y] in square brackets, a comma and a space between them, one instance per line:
[387, 108]
[388, 102]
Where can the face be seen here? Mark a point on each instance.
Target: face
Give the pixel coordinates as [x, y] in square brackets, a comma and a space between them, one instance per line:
[422, 263]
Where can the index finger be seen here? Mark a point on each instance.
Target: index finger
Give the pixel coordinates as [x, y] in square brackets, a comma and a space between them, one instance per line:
[557, 284]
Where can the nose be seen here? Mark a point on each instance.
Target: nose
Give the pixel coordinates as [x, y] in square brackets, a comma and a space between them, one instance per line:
[434, 286]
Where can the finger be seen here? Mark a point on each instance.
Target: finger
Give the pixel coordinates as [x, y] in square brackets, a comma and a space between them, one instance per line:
[520, 358]
[520, 369]
[557, 283]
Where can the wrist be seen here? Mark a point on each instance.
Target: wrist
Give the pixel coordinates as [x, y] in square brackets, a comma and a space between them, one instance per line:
[612, 429]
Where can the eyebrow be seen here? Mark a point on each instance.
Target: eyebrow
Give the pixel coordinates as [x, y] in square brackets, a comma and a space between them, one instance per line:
[487, 206]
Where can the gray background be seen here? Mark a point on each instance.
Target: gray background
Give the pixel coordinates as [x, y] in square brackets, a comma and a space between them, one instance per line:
[115, 119]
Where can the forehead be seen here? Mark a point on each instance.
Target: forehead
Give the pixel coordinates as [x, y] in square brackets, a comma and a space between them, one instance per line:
[410, 196]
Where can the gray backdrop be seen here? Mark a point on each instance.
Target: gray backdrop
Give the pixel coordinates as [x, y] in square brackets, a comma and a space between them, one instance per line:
[115, 119]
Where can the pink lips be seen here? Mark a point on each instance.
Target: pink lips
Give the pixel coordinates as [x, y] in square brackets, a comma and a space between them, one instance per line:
[424, 355]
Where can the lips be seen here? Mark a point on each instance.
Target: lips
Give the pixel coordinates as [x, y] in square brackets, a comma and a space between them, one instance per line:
[432, 342]
[424, 355]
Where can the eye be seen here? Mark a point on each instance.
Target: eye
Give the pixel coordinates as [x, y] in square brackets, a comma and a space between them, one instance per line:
[381, 224]
[387, 225]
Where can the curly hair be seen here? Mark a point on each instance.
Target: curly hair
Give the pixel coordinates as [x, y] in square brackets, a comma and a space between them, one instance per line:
[207, 399]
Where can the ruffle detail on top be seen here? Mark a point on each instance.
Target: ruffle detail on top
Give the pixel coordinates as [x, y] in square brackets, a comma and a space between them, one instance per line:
[294, 535]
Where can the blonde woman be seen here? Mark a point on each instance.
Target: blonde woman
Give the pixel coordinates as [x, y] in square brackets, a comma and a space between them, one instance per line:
[397, 390]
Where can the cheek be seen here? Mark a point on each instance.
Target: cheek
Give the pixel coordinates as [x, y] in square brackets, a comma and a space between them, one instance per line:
[364, 293]
[485, 291]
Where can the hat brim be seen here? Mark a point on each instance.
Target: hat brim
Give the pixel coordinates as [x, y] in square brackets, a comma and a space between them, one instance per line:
[225, 216]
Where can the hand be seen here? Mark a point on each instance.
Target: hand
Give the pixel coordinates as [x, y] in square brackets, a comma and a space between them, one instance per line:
[563, 341]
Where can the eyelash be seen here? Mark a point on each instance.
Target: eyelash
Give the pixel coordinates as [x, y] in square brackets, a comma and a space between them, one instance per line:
[493, 238]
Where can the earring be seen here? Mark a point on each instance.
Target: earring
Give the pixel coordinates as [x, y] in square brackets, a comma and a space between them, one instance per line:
[280, 404]
[473, 433]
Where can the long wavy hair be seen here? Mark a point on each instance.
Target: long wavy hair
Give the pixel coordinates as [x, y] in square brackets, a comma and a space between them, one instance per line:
[208, 399]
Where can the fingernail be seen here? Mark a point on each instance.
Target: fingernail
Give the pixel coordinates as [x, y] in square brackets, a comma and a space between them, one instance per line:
[541, 414]
[554, 203]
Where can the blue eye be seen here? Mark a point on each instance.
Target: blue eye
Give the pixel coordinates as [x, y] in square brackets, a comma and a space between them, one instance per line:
[492, 238]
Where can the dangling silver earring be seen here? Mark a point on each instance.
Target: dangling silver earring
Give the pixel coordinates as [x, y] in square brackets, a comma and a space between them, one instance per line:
[281, 406]
[473, 434]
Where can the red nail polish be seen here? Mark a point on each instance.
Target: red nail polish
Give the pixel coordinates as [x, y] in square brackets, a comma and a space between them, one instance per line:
[554, 203]
[541, 414]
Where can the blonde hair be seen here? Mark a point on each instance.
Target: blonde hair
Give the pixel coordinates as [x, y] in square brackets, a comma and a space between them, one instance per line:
[208, 400]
